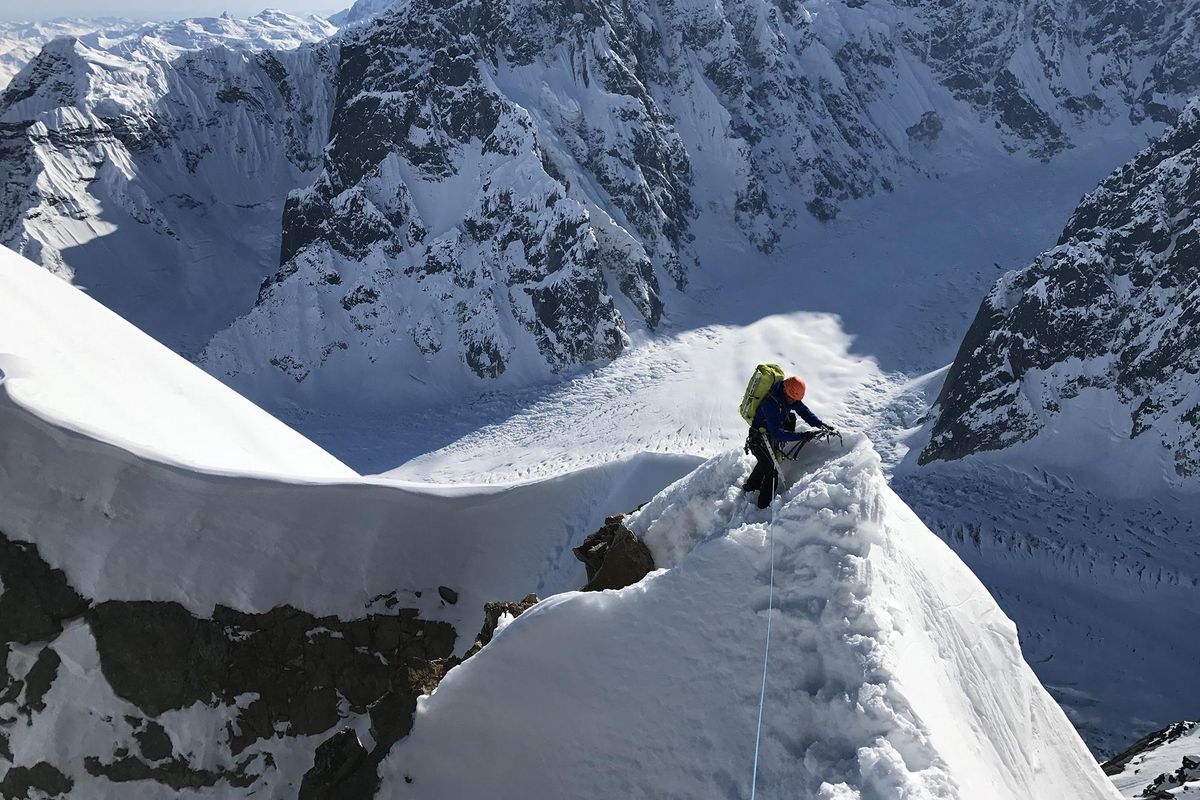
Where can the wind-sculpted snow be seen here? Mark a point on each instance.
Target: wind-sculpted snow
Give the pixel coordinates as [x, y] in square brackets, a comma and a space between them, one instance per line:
[1098, 338]
[69, 360]
[511, 189]
[892, 672]
[164, 629]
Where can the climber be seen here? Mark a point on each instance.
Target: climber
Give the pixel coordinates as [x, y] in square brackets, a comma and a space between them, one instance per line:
[774, 424]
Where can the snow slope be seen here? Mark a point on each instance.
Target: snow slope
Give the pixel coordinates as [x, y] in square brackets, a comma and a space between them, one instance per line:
[168, 502]
[21, 41]
[676, 395]
[1167, 761]
[71, 361]
[892, 672]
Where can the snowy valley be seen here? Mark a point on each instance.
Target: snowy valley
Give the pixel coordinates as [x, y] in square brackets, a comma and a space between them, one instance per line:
[382, 315]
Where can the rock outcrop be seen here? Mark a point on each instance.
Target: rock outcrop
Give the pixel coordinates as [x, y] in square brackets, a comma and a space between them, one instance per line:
[614, 556]
[272, 676]
[1164, 765]
[1112, 311]
[493, 614]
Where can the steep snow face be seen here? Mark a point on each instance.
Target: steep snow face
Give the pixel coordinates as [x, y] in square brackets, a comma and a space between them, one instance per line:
[153, 174]
[1098, 340]
[1102, 588]
[1165, 764]
[69, 360]
[892, 672]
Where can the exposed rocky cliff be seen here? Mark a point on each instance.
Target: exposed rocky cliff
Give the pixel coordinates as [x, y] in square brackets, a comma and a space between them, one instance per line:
[1107, 321]
[263, 681]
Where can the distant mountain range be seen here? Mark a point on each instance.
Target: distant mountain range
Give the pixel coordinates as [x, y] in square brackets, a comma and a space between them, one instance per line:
[490, 193]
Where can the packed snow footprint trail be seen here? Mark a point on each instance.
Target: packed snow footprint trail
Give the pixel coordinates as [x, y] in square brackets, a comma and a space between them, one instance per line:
[762, 695]
[892, 671]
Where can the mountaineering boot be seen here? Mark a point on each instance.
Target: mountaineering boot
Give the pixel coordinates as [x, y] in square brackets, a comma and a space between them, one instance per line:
[767, 493]
[763, 477]
[755, 481]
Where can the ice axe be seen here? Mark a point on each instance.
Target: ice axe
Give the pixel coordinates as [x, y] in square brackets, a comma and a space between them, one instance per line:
[823, 434]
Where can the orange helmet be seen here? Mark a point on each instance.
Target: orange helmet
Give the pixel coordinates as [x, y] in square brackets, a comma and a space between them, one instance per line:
[793, 389]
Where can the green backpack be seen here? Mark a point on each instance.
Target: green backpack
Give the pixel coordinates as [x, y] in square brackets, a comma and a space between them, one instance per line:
[765, 376]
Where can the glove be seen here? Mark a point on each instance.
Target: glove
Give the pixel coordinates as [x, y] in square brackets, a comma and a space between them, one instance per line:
[828, 428]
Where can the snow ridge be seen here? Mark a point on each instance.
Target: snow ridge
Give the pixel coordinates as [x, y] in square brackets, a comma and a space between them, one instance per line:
[267, 30]
[893, 672]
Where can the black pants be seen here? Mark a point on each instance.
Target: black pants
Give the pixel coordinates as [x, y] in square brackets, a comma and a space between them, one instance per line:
[763, 478]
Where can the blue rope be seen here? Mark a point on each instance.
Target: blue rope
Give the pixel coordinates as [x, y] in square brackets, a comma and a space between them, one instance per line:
[766, 653]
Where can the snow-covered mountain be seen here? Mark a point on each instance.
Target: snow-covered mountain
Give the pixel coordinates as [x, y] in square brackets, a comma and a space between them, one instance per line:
[151, 181]
[21, 41]
[168, 629]
[1061, 459]
[1164, 765]
[511, 189]
[361, 11]
[268, 30]
[1099, 334]
[637, 126]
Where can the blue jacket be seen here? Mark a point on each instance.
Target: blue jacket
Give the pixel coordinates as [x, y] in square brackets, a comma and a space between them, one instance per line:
[772, 414]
